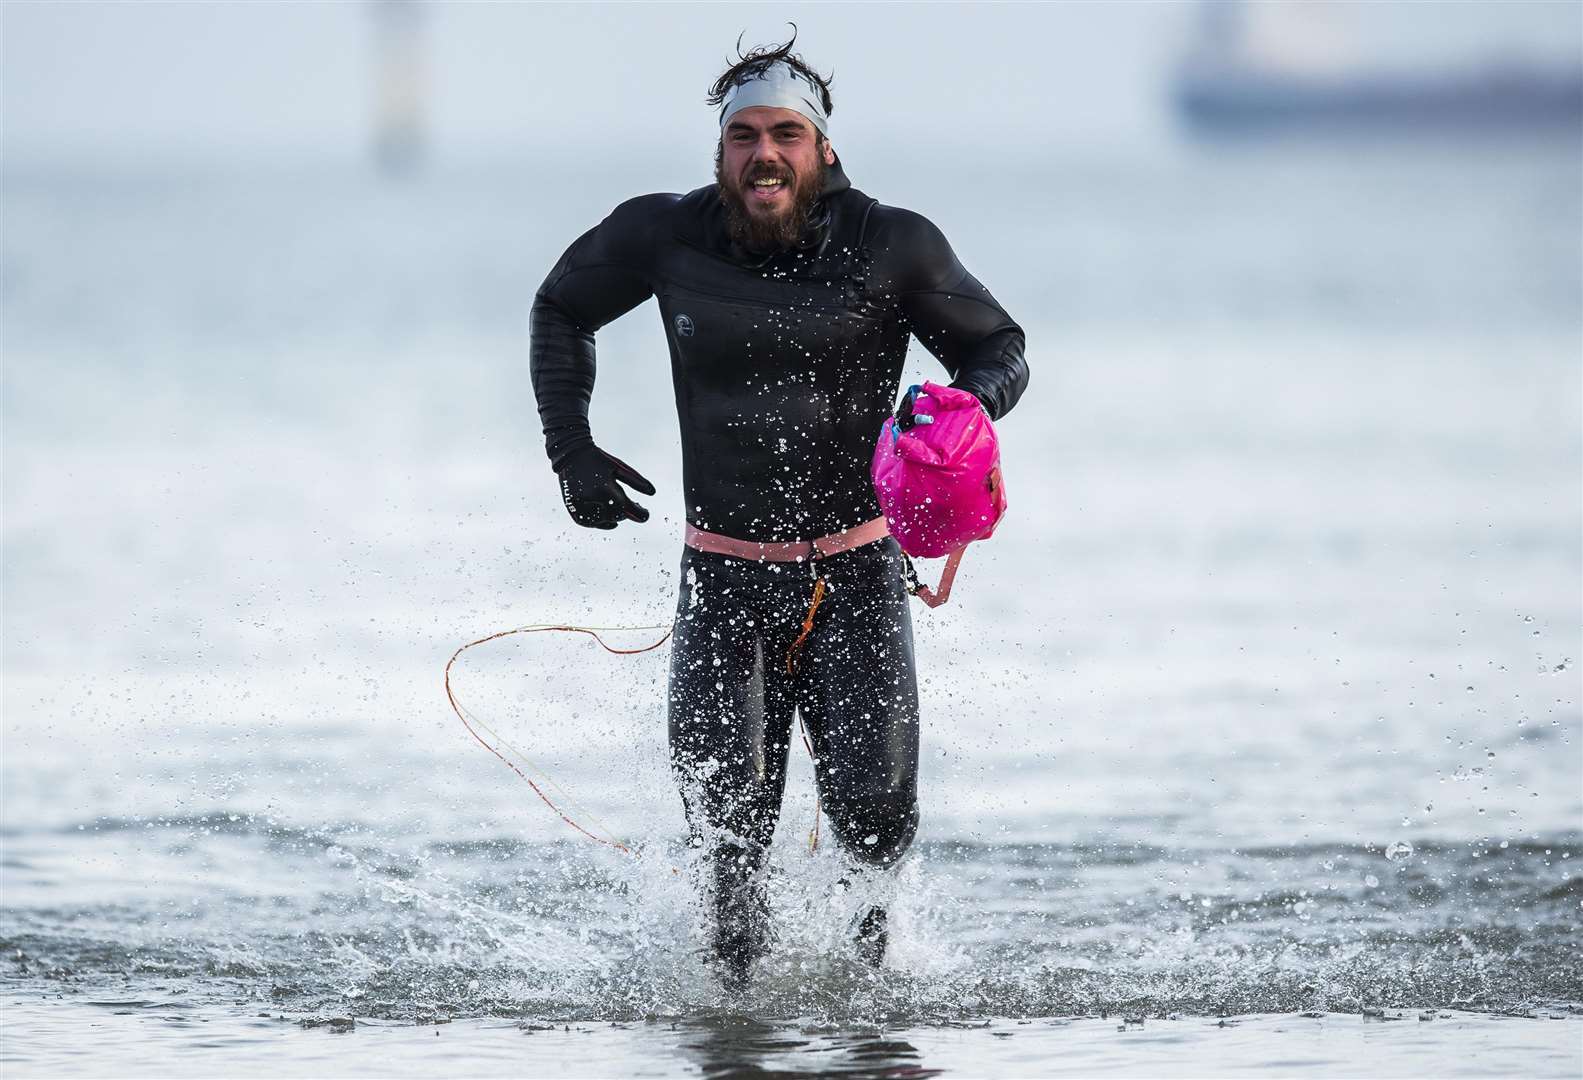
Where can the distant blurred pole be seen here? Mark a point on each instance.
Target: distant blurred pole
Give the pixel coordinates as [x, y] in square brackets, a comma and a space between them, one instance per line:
[400, 91]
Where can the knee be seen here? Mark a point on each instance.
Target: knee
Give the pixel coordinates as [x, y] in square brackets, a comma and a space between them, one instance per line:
[878, 829]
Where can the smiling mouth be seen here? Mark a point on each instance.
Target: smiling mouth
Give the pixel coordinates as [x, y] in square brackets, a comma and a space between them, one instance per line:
[768, 188]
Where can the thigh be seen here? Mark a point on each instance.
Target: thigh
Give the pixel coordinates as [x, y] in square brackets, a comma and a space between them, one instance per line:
[729, 715]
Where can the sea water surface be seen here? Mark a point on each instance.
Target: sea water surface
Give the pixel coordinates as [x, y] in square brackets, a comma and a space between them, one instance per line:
[1250, 741]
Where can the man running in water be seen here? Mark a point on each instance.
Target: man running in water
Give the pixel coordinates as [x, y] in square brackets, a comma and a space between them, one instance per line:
[787, 298]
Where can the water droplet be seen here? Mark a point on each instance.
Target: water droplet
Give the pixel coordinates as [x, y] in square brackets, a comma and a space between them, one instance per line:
[1371, 881]
[1399, 851]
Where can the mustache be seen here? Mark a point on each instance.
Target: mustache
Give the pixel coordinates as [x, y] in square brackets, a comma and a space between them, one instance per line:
[768, 172]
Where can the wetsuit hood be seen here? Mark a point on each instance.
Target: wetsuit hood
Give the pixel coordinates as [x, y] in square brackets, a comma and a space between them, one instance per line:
[701, 221]
[835, 180]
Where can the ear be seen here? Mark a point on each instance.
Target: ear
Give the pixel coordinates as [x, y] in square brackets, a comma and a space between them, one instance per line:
[829, 153]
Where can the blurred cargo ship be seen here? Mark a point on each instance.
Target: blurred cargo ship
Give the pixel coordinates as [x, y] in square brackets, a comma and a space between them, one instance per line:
[1261, 69]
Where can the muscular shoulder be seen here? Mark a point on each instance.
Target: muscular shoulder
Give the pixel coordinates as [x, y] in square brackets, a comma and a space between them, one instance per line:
[630, 230]
[910, 249]
[624, 241]
[644, 211]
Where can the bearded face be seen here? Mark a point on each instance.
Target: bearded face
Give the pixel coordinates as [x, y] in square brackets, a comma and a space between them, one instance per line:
[769, 180]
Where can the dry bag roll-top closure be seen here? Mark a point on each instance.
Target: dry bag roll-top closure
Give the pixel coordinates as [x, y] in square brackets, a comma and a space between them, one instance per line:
[937, 475]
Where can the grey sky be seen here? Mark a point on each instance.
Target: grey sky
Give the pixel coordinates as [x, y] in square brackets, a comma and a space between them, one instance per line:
[229, 77]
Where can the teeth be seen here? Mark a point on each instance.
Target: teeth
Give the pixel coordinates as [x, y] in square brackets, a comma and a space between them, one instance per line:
[766, 183]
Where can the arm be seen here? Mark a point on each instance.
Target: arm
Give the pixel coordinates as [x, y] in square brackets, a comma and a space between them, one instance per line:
[601, 277]
[955, 317]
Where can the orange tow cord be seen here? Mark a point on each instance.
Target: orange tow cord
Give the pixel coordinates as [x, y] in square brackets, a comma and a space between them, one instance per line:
[813, 834]
[807, 627]
[941, 593]
[473, 724]
[461, 714]
[791, 669]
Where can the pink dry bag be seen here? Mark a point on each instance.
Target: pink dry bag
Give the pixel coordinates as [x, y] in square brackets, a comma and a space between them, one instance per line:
[937, 474]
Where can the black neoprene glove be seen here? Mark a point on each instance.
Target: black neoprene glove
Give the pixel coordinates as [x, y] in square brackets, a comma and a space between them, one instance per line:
[905, 420]
[589, 488]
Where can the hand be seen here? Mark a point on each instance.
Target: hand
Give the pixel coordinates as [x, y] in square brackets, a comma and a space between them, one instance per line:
[906, 419]
[592, 496]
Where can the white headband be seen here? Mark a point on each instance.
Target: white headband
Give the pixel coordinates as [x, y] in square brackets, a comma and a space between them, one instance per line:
[779, 86]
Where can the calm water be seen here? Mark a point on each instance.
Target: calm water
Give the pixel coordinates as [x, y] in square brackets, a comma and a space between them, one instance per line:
[1251, 741]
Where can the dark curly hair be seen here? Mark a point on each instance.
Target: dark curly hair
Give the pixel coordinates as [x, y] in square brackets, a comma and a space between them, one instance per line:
[755, 62]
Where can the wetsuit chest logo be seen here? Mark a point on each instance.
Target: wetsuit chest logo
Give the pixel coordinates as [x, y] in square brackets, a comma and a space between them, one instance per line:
[684, 326]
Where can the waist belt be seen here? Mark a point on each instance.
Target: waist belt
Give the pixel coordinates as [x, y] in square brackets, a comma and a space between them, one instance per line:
[788, 550]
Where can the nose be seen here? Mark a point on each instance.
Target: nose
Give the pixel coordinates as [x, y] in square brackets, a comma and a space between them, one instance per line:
[765, 150]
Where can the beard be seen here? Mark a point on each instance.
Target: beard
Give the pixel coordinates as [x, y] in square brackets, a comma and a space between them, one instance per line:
[767, 232]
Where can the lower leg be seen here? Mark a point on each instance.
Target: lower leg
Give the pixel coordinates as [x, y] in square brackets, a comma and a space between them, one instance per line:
[740, 909]
[872, 936]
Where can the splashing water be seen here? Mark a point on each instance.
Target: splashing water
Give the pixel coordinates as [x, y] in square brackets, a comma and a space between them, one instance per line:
[1217, 651]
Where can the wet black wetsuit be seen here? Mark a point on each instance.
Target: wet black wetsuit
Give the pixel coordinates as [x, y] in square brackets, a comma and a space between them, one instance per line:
[785, 366]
